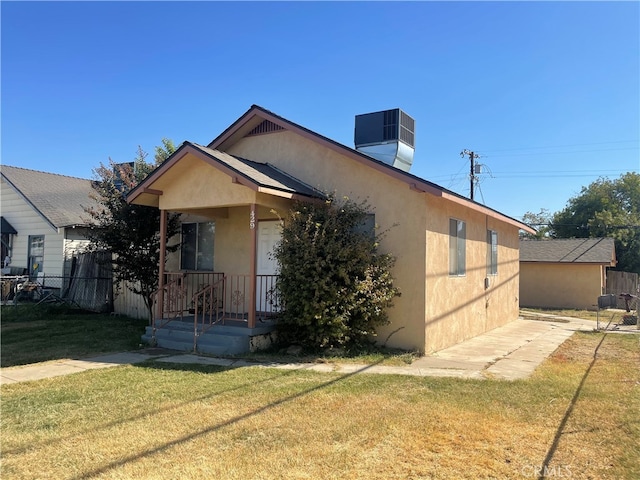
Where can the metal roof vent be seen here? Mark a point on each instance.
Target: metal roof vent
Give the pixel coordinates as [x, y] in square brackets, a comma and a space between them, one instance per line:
[387, 136]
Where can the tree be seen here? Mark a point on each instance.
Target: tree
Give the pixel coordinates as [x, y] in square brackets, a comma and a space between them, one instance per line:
[606, 208]
[540, 221]
[335, 286]
[130, 232]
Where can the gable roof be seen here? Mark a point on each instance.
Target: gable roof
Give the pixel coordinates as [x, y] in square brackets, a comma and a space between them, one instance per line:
[258, 120]
[58, 198]
[569, 250]
[260, 177]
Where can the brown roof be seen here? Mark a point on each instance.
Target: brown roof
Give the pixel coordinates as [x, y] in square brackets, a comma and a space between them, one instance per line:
[58, 198]
[261, 174]
[569, 250]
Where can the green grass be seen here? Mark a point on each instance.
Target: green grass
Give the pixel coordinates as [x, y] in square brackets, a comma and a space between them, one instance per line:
[33, 334]
[577, 417]
[371, 354]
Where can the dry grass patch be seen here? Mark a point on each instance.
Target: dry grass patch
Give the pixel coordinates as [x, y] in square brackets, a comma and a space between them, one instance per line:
[167, 421]
[604, 315]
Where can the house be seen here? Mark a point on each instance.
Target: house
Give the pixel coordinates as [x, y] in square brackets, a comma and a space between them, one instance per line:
[456, 260]
[43, 224]
[565, 273]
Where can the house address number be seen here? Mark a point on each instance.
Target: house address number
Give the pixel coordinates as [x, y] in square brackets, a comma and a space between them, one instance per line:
[252, 220]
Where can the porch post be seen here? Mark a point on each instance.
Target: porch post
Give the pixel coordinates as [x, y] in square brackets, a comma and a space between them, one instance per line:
[253, 229]
[163, 247]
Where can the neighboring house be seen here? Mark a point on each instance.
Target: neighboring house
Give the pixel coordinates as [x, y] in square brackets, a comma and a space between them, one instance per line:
[457, 260]
[43, 220]
[565, 273]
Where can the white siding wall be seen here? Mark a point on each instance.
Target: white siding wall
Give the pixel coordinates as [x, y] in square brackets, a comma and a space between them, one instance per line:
[75, 242]
[28, 221]
[125, 302]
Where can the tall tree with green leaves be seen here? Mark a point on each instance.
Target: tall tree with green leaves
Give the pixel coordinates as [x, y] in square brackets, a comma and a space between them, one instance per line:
[606, 208]
[540, 222]
[130, 232]
[335, 285]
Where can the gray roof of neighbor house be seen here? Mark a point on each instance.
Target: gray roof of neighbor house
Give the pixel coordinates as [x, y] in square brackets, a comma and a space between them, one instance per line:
[569, 250]
[58, 198]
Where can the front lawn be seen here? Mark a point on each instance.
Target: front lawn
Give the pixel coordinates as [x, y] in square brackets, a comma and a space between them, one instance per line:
[577, 418]
[31, 333]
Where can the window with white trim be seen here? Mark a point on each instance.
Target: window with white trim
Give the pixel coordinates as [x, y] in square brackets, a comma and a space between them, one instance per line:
[196, 251]
[36, 254]
[457, 247]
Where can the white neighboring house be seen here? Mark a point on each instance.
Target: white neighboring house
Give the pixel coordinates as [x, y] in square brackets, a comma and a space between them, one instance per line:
[43, 220]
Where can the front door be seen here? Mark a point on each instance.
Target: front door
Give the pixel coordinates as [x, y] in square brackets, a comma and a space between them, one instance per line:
[269, 234]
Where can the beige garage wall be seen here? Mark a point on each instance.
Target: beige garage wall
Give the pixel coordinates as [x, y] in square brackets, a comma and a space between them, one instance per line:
[553, 285]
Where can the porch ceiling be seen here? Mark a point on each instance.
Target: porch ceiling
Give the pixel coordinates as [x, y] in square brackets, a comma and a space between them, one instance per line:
[196, 177]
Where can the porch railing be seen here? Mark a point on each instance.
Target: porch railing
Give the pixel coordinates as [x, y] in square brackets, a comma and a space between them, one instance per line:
[229, 299]
[180, 289]
[214, 297]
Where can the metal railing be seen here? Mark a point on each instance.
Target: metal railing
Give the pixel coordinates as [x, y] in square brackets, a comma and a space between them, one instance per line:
[228, 298]
[214, 298]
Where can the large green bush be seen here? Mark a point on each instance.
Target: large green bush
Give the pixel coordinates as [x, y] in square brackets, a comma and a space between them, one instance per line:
[335, 286]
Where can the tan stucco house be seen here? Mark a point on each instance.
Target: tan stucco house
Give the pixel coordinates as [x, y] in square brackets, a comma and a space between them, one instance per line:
[457, 260]
[565, 273]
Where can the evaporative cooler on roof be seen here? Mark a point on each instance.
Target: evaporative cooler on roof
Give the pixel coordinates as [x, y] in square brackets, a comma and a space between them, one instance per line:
[387, 136]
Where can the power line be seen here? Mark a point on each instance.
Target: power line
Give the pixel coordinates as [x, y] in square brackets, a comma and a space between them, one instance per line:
[540, 174]
[561, 146]
[563, 152]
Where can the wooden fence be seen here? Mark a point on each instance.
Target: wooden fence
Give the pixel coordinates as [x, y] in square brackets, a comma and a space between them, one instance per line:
[622, 282]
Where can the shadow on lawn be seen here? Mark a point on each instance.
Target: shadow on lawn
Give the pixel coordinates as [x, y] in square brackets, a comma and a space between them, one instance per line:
[151, 365]
[212, 428]
[545, 470]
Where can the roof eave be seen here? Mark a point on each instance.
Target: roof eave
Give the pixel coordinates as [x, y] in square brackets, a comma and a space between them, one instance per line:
[415, 183]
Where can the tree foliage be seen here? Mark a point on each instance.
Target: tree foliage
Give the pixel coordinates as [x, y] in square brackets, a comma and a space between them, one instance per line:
[606, 208]
[540, 222]
[130, 232]
[335, 285]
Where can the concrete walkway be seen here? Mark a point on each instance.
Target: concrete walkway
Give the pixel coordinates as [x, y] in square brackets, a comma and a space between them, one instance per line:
[510, 352]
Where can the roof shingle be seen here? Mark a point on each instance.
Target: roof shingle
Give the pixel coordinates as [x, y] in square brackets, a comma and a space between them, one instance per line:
[59, 198]
[569, 250]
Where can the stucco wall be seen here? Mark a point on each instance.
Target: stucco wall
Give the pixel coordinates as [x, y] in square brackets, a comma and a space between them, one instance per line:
[395, 204]
[435, 310]
[460, 307]
[554, 285]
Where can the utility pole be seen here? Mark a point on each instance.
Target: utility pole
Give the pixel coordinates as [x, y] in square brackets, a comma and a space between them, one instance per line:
[472, 171]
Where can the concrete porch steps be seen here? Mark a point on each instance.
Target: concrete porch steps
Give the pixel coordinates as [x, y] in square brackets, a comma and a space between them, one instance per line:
[230, 338]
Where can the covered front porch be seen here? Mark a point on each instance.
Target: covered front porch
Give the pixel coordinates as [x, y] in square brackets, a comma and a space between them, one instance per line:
[223, 279]
[212, 312]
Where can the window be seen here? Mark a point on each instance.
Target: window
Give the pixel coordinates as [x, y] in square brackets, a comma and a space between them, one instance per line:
[492, 252]
[36, 254]
[368, 226]
[457, 255]
[197, 246]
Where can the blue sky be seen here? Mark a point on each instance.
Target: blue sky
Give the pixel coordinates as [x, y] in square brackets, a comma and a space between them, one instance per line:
[546, 92]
